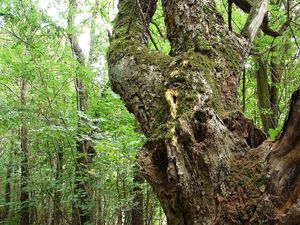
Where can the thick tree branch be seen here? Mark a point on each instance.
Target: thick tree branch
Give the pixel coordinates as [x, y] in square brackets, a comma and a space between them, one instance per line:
[129, 50]
[285, 160]
[258, 18]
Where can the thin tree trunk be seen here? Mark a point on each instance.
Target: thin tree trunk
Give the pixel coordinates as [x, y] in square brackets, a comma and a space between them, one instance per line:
[24, 198]
[99, 203]
[268, 95]
[8, 181]
[85, 150]
[137, 212]
[104, 211]
[264, 95]
[57, 217]
[2, 216]
[93, 35]
[127, 213]
[8, 190]
[119, 210]
[276, 71]
[147, 207]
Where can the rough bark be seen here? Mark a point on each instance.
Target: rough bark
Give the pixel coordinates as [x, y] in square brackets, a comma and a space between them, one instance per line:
[200, 154]
[284, 166]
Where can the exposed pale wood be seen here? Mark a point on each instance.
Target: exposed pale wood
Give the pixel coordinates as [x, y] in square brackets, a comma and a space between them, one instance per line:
[255, 19]
[256, 9]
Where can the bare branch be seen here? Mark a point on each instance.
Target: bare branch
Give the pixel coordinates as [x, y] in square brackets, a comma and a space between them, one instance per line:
[10, 89]
[146, 25]
[255, 19]
[93, 35]
[158, 29]
[258, 18]
[71, 34]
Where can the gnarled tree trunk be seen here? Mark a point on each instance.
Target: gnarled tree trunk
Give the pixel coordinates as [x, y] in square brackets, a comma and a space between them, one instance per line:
[208, 164]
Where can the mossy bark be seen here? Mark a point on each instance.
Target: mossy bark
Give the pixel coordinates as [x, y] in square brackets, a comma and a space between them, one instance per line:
[198, 141]
[263, 95]
[268, 79]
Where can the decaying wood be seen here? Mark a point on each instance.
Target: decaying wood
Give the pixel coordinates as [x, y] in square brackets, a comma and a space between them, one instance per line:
[285, 162]
[207, 163]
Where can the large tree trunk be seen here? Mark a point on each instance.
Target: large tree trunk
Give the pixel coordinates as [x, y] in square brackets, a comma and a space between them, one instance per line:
[201, 155]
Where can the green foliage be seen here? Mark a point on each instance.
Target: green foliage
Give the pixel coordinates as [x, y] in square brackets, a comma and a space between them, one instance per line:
[274, 132]
[159, 32]
[238, 17]
[34, 49]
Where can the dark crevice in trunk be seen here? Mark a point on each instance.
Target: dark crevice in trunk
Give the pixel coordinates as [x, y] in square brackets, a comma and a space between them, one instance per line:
[284, 160]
